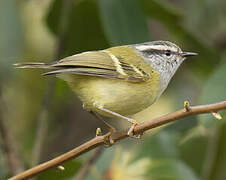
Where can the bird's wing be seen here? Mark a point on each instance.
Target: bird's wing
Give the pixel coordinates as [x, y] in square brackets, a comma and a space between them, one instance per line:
[100, 64]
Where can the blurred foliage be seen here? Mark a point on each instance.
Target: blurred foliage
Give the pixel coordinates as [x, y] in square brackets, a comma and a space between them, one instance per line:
[84, 32]
[173, 21]
[11, 44]
[213, 94]
[161, 145]
[71, 168]
[193, 148]
[170, 169]
[122, 19]
[217, 128]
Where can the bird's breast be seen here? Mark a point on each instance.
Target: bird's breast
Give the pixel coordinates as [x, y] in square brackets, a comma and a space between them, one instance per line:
[125, 98]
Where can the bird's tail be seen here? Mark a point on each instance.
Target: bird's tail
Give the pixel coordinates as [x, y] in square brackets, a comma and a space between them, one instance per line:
[33, 65]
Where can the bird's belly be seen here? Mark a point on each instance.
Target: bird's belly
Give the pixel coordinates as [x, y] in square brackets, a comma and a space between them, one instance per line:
[125, 98]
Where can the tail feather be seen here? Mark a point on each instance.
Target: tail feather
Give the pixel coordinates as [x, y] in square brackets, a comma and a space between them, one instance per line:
[33, 65]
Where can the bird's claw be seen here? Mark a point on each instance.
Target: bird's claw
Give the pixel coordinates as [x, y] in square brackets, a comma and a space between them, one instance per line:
[130, 132]
[108, 141]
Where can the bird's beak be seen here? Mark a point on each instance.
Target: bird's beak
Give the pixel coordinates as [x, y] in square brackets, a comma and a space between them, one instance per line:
[186, 54]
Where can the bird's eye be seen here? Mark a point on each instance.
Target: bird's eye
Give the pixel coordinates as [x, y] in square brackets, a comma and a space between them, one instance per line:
[168, 53]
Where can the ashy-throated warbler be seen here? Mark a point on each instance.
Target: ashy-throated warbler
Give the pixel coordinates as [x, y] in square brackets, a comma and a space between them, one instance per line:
[118, 81]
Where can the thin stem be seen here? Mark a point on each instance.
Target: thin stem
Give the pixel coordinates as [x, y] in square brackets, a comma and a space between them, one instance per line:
[116, 136]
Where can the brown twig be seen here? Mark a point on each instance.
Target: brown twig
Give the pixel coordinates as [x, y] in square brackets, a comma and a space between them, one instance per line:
[83, 172]
[99, 140]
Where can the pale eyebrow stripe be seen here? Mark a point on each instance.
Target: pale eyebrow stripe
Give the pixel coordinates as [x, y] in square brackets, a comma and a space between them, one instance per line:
[145, 47]
[156, 47]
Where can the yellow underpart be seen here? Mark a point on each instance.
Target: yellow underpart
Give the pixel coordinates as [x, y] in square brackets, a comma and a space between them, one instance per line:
[120, 96]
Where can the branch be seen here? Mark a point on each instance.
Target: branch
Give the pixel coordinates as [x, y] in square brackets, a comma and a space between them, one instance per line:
[139, 129]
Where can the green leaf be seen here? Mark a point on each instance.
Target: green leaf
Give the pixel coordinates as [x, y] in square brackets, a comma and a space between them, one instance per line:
[84, 31]
[71, 167]
[170, 169]
[124, 21]
[214, 91]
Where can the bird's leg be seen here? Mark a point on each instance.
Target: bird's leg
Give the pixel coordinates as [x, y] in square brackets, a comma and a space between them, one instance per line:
[109, 141]
[97, 116]
[130, 120]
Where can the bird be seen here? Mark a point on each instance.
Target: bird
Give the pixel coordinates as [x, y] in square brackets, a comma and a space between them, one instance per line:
[118, 81]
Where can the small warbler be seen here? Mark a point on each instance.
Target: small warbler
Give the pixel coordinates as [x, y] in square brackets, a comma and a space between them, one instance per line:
[118, 81]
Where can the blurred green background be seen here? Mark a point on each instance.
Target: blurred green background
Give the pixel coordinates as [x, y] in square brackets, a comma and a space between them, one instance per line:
[41, 118]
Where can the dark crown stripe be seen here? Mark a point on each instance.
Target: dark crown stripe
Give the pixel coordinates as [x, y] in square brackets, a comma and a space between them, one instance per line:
[158, 51]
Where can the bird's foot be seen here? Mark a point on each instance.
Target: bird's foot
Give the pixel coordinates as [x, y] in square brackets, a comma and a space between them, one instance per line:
[130, 132]
[108, 141]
